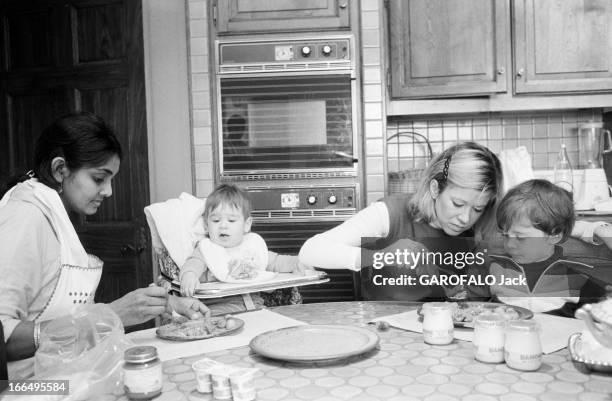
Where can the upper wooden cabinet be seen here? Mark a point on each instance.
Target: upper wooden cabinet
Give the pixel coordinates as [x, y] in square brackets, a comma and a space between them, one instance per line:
[242, 16]
[443, 48]
[562, 46]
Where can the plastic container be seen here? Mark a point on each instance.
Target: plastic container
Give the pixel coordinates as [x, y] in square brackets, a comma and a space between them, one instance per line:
[142, 373]
[522, 347]
[489, 338]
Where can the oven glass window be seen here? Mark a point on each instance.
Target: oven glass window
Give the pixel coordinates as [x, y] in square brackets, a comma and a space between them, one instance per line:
[286, 123]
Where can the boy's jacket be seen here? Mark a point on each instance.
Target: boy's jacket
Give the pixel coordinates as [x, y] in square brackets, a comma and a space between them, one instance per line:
[562, 281]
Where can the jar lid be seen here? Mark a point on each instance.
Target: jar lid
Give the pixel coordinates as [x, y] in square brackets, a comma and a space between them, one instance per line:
[437, 305]
[490, 320]
[140, 354]
[523, 326]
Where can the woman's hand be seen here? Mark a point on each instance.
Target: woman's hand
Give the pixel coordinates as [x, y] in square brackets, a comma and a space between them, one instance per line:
[140, 305]
[188, 307]
[287, 264]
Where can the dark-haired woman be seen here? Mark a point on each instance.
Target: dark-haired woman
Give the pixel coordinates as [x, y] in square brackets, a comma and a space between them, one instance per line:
[44, 268]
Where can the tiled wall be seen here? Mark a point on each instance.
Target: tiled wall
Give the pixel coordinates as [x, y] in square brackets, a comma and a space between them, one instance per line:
[201, 118]
[373, 98]
[541, 132]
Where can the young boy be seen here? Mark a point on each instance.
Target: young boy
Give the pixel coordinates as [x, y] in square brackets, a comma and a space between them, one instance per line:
[535, 217]
[230, 250]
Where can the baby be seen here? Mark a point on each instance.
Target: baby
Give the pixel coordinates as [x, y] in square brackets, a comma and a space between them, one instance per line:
[535, 217]
[230, 251]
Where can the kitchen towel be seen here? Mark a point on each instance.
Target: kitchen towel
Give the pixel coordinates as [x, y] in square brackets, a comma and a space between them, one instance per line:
[554, 335]
[516, 166]
[255, 323]
[176, 225]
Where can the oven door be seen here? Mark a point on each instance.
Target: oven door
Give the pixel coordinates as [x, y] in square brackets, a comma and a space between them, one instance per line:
[286, 123]
[287, 237]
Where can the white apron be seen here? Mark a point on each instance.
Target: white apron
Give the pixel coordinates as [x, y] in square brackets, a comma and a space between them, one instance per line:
[79, 273]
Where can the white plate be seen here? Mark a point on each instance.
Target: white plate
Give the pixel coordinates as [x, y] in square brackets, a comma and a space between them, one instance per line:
[314, 343]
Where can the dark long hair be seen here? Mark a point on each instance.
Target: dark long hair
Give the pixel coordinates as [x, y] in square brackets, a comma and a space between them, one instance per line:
[83, 139]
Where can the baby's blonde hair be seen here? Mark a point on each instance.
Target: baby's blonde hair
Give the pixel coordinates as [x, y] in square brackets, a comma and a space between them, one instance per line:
[231, 195]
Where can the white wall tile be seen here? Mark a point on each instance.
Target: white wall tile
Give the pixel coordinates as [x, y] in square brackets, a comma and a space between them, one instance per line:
[373, 129]
[202, 135]
[374, 147]
[197, 9]
[203, 171]
[201, 118]
[198, 46]
[198, 28]
[373, 111]
[372, 93]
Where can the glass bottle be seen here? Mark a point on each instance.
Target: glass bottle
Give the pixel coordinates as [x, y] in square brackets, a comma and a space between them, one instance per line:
[489, 338]
[437, 323]
[142, 373]
[522, 346]
[564, 176]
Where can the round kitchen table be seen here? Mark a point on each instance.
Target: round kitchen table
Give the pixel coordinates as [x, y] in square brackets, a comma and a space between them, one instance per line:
[402, 368]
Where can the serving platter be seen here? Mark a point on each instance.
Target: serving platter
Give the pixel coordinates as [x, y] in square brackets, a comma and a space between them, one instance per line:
[464, 312]
[191, 330]
[314, 343]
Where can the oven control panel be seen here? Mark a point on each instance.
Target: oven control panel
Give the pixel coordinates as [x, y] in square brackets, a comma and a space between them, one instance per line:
[256, 52]
[302, 198]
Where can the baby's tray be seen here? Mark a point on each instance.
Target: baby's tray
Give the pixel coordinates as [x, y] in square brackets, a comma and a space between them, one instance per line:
[279, 280]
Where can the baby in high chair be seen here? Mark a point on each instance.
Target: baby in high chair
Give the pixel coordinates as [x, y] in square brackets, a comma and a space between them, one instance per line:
[230, 251]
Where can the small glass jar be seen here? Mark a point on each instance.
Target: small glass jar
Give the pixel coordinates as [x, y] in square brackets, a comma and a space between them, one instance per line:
[142, 373]
[522, 348]
[437, 323]
[489, 338]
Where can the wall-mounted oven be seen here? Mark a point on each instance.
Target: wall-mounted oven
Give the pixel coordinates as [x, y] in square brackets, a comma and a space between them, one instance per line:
[286, 106]
[288, 132]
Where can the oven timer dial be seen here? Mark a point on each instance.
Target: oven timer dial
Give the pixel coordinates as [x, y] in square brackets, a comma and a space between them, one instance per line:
[332, 199]
[306, 50]
[311, 200]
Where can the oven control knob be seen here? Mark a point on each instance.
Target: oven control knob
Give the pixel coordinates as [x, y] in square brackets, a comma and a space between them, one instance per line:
[306, 50]
[311, 199]
[332, 199]
[326, 50]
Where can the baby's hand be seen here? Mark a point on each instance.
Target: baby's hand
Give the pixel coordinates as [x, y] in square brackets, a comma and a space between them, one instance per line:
[189, 282]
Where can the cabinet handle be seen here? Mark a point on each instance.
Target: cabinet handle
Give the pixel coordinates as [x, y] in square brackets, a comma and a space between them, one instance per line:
[342, 5]
[501, 71]
[520, 72]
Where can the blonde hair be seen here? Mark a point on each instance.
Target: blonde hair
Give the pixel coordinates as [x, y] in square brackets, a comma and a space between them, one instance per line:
[466, 165]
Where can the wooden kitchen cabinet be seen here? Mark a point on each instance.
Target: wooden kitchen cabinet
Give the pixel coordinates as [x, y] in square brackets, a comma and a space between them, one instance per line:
[245, 16]
[562, 46]
[443, 48]
[464, 48]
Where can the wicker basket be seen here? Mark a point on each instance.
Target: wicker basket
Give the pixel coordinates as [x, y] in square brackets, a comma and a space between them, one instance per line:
[406, 181]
